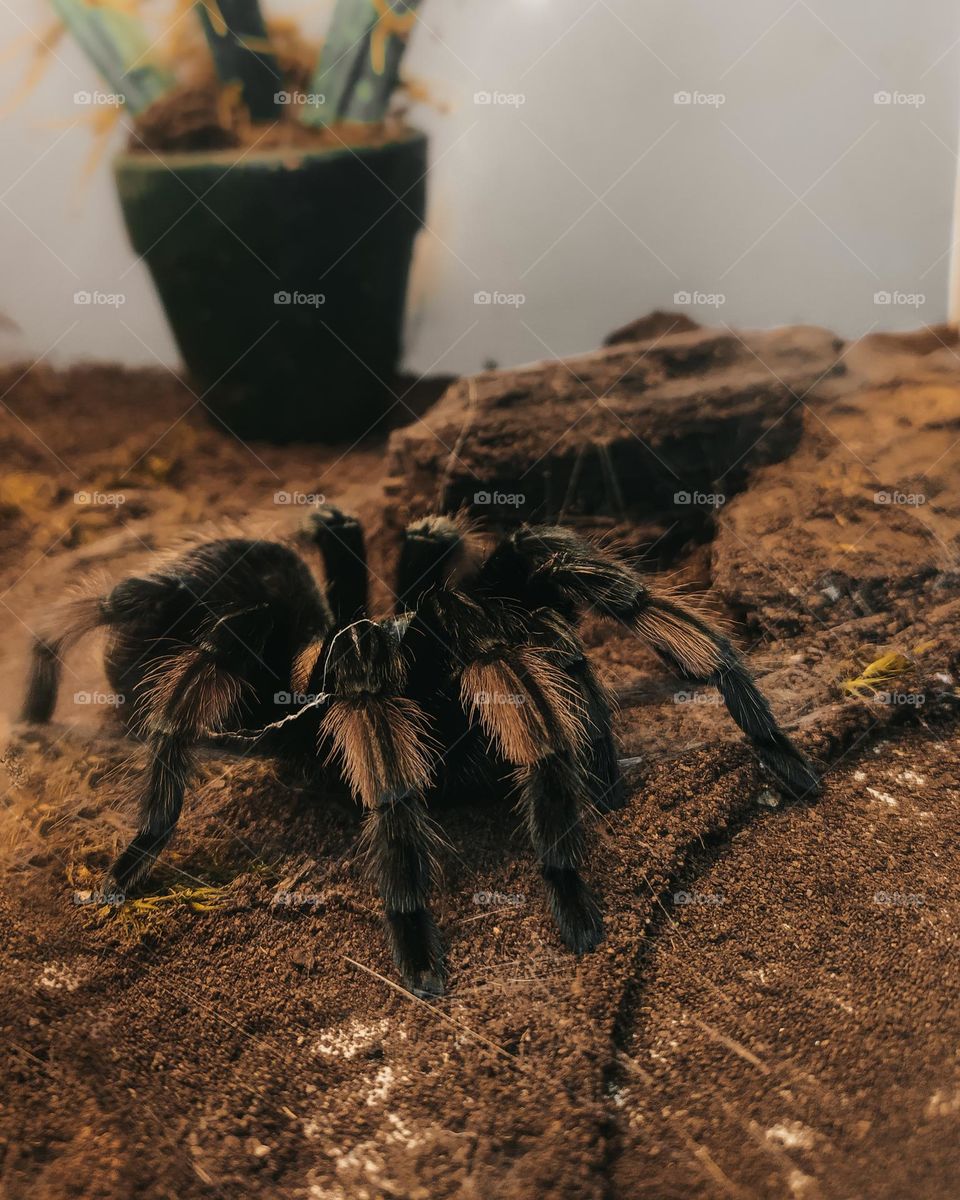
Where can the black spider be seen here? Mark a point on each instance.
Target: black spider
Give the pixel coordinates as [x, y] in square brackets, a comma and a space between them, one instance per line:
[481, 665]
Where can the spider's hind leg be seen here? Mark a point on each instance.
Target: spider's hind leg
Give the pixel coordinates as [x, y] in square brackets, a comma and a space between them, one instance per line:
[604, 777]
[74, 621]
[701, 654]
[127, 602]
[192, 693]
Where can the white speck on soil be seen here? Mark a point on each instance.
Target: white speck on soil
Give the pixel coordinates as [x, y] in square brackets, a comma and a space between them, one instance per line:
[381, 1086]
[912, 777]
[401, 1133]
[943, 1103]
[349, 1041]
[801, 1185]
[791, 1135]
[325, 1193]
[58, 976]
[885, 797]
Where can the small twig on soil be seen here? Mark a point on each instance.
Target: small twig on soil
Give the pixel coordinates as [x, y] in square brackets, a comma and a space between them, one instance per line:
[479, 1037]
[731, 1044]
[697, 1150]
[712, 1169]
[493, 912]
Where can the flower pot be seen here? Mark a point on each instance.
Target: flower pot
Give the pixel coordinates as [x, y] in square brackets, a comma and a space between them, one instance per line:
[283, 276]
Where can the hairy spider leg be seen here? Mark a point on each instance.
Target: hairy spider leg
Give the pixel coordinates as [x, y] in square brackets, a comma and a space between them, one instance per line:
[68, 625]
[190, 694]
[381, 740]
[341, 543]
[600, 759]
[219, 640]
[565, 572]
[512, 691]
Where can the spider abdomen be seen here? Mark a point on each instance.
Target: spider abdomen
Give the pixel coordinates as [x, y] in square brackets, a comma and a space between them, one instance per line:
[252, 605]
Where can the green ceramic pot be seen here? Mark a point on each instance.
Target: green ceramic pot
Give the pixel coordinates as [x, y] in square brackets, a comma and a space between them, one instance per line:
[283, 275]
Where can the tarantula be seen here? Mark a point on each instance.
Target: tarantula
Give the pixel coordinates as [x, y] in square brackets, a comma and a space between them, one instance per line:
[480, 664]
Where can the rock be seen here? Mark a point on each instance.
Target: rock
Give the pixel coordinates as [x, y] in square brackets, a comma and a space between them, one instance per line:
[653, 325]
[661, 429]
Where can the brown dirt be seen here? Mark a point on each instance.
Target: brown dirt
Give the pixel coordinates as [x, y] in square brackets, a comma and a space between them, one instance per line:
[200, 114]
[782, 1033]
[201, 117]
[797, 1027]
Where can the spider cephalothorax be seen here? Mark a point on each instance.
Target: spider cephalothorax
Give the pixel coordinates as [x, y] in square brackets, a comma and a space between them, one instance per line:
[480, 672]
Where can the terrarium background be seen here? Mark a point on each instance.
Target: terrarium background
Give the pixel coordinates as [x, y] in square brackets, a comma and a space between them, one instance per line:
[693, 198]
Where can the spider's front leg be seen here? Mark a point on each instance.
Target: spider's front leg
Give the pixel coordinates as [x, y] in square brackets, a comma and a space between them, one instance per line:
[600, 761]
[550, 793]
[339, 538]
[381, 742]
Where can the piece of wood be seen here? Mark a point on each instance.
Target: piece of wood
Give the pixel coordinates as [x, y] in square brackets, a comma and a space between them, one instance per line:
[663, 430]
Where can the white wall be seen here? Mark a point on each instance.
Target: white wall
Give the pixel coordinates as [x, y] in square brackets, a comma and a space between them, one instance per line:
[597, 198]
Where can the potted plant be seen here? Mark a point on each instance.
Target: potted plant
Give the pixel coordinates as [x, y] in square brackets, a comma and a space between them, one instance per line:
[275, 203]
